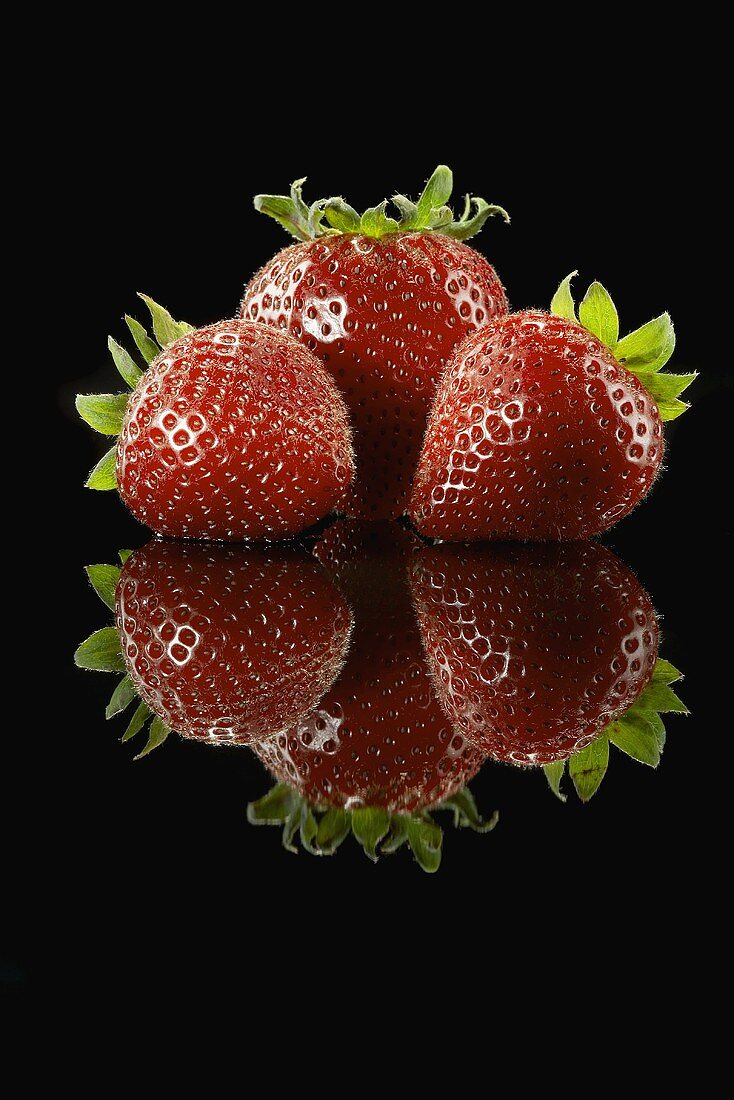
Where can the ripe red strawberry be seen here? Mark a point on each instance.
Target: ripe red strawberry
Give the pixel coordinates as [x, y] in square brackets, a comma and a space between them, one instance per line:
[545, 429]
[383, 302]
[534, 650]
[234, 432]
[377, 751]
[229, 645]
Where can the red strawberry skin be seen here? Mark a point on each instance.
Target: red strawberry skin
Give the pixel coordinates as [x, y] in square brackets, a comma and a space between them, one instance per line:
[537, 432]
[228, 645]
[378, 737]
[384, 316]
[533, 649]
[234, 432]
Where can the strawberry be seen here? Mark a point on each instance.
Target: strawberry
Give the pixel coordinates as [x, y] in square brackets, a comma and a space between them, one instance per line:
[383, 302]
[234, 431]
[224, 645]
[536, 651]
[547, 428]
[377, 752]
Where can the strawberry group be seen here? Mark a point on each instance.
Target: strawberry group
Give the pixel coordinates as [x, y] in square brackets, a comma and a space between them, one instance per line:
[375, 371]
[392, 336]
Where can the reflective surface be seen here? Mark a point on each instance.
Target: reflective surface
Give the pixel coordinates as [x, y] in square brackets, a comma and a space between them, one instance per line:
[374, 675]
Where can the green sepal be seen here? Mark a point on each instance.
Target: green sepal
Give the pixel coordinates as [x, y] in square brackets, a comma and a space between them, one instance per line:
[322, 829]
[122, 697]
[341, 216]
[376, 223]
[128, 369]
[333, 828]
[103, 579]
[123, 555]
[588, 767]
[639, 732]
[370, 825]
[104, 476]
[636, 736]
[643, 352]
[430, 214]
[554, 775]
[103, 411]
[165, 329]
[466, 814]
[147, 347]
[470, 224]
[301, 221]
[140, 716]
[101, 652]
[156, 736]
[598, 314]
[649, 347]
[562, 303]
[274, 807]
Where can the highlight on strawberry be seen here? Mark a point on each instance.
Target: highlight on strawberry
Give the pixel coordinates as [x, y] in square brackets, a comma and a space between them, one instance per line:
[383, 299]
[547, 426]
[233, 431]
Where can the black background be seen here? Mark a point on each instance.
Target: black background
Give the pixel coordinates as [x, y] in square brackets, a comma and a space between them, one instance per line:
[161, 202]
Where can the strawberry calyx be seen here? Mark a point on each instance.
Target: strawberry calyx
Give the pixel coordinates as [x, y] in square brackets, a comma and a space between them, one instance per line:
[323, 828]
[430, 214]
[639, 732]
[644, 352]
[102, 652]
[105, 412]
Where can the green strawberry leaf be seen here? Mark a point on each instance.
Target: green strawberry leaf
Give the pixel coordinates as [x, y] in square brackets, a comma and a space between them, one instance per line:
[129, 370]
[376, 223]
[437, 192]
[103, 579]
[398, 835]
[665, 387]
[430, 214]
[333, 827]
[124, 555]
[562, 304]
[308, 831]
[408, 212]
[165, 329]
[598, 314]
[122, 697]
[274, 807]
[466, 814]
[665, 673]
[103, 476]
[554, 775]
[370, 825]
[101, 652]
[649, 347]
[147, 347]
[635, 735]
[103, 411]
[341, 216]
[658, 727]
[660, 697]
[140, 717]
[588, 767]
[425, 839]
[156, 736]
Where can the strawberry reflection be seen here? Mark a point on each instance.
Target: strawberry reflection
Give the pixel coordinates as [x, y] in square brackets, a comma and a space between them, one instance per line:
[534, 650]
[378, 752]
[227, 645]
